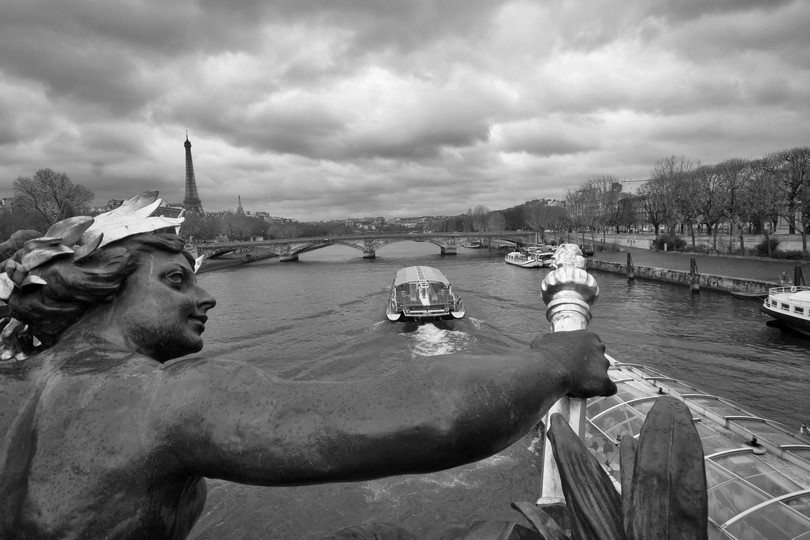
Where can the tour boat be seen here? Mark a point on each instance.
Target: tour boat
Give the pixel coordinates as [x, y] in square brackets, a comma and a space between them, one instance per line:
[790, 306]
[544, 252]
[757, 470]
[540, 248]
[526, 260]
[422, 293]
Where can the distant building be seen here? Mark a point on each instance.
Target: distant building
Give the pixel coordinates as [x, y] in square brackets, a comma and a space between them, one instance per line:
[112, 204]
[168, 211]
[549, 202]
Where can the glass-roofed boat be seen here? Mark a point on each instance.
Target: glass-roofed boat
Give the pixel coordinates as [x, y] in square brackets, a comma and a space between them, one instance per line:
[757, 470]
[422, 293]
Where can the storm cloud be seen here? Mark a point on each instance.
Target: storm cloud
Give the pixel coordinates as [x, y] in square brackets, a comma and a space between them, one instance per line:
[320, 110]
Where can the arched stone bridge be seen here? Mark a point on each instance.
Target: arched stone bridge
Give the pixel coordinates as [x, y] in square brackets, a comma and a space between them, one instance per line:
[288, 249]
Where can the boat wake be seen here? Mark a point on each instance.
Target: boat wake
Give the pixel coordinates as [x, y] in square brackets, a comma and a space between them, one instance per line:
[430, 340]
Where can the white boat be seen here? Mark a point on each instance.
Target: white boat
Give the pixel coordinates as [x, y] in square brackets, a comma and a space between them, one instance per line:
[757, 470]
[540, 248]
[525, 260]
[543, 252]
[790, 306]
[422, 293]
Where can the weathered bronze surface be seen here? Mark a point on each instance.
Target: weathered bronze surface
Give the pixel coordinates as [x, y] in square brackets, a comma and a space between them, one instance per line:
[109, 427]
[663, 482]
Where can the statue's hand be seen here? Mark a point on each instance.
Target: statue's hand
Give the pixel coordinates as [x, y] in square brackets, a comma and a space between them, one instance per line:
[582, 353]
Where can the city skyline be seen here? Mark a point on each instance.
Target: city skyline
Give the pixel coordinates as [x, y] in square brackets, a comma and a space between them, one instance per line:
[323, 110]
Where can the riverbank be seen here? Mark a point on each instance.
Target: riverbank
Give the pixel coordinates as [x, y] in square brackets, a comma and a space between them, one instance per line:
[230, 261]
[725, 273]
[704, 243]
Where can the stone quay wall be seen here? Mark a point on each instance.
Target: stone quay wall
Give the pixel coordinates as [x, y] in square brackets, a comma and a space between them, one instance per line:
[704, 281]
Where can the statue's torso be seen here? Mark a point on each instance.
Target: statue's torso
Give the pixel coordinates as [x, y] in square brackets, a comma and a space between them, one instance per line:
[83, 457]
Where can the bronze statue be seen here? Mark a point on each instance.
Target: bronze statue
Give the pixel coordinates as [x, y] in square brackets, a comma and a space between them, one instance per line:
[109, 427]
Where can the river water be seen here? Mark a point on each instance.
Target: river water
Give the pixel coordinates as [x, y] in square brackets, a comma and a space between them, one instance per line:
[323, 318]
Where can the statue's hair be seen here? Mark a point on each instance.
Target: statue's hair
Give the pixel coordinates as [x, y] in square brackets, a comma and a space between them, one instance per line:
[73, 287]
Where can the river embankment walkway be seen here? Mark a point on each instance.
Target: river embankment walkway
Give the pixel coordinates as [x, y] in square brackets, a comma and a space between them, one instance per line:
[716, 272]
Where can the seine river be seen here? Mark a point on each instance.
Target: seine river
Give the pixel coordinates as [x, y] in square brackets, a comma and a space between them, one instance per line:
[323, 318]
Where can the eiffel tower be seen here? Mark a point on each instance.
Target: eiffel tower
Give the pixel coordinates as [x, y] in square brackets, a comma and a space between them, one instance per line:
[192, 202]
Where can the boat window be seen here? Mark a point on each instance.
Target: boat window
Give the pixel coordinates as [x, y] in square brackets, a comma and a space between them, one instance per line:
[627, 391]
[597, 406]
[680, 388]
[799, 310]
[713, 442]
[775, 521]
[644, 406]
[604, 449]
[621, 421]
[717, 406]
[758, 473]
[731, 498]
[800, 503]
[786, 307]
[803, 453]
[716, 475]
[768, 432]
[716, 443]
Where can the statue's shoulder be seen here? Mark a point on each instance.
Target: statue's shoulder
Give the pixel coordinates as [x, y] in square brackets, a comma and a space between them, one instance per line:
[220, 372]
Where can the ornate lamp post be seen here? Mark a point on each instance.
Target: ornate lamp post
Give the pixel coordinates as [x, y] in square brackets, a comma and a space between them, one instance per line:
[568, 291]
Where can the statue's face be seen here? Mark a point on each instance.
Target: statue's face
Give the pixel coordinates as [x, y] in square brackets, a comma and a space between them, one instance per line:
[162, 309]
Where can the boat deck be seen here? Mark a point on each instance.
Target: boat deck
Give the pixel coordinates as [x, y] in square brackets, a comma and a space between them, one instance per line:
[755, 491]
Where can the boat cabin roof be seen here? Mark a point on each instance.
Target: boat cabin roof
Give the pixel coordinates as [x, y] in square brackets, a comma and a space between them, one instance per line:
[415, 274]
[798, 296]
[752, 494]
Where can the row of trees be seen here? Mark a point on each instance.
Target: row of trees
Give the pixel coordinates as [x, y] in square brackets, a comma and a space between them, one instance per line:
[740, 195]
[48, 196]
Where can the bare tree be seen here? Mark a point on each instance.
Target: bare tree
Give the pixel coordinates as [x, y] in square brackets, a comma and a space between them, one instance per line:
[583, 208]
[607, 189]
[653, 202]
[479, 217]
[710, 199]
[734, 175]
[541, 216]
[762, 201]
[792, 170]
[49, 193]
[496, 221]
[672, 179]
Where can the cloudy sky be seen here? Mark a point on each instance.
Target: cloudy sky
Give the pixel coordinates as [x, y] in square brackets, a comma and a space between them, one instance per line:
[346, 108]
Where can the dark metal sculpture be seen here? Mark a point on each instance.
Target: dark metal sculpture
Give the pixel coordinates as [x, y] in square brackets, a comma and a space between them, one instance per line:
[663, 483]
[107, 431]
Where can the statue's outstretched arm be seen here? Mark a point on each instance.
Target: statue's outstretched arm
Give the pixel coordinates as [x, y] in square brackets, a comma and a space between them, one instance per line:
[235, 422]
